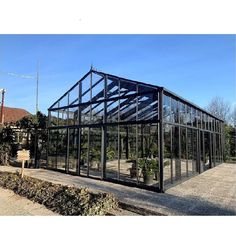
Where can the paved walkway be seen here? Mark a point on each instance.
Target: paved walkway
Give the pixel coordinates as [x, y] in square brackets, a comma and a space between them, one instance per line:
[210, 193]
[12, 204]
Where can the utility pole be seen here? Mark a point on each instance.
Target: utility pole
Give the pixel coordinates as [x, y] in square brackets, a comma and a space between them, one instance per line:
[37, 89]
[2, 104]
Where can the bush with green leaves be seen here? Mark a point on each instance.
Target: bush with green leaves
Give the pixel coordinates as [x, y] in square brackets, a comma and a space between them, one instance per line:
[7, 146]
[5, 153]
[65, 200]
[148, 166]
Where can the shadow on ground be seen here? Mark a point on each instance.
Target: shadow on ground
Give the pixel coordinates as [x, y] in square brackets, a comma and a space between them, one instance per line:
[159, 202]
[186, 201]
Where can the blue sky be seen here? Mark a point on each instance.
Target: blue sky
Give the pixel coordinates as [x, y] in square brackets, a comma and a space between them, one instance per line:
[196, 67]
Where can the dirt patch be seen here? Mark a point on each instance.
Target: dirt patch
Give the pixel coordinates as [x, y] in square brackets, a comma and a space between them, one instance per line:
[65, 200]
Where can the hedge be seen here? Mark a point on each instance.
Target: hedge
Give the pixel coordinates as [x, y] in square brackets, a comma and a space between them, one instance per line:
[65, 200]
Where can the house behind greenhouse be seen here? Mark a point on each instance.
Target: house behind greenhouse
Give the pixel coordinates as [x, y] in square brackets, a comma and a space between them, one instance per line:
[131, 132]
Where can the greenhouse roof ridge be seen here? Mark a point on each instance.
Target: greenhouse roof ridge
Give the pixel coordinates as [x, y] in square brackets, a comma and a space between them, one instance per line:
[166, 91]
[125, 79]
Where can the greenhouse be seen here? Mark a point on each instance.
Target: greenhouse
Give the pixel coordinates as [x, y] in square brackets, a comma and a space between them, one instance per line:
[129, 132]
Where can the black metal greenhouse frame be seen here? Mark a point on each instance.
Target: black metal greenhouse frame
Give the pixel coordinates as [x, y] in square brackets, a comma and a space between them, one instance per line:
[105, 125]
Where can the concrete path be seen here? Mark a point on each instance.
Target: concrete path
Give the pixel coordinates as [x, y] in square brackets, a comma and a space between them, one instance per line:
[12, 204]
[210, 193]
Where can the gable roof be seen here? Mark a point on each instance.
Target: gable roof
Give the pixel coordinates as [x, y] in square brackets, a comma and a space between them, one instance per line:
[125, 83]
[12, 115]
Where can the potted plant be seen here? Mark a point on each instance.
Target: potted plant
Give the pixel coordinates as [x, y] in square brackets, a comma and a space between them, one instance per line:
[148, 168]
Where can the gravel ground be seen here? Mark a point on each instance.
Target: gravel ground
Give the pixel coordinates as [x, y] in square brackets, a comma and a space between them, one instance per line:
[12, 204]
[210, 193]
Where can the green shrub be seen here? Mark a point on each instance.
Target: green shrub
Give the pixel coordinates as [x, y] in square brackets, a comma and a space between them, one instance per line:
[5, 153]
[64, 200]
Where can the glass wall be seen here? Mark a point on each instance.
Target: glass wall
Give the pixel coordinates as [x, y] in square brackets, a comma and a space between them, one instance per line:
[192, 142]
[112, 128]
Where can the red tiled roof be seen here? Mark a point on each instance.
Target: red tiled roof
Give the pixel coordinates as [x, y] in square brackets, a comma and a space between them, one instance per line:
[12, 115]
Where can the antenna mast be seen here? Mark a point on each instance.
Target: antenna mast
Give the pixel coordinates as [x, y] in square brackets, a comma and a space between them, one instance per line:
[37, 89]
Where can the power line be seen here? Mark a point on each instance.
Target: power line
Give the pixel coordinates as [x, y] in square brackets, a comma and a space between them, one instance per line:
[27, 77]
[17, 75]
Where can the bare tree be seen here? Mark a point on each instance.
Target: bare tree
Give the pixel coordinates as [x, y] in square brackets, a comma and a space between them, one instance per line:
[220, 108]
[233, 117]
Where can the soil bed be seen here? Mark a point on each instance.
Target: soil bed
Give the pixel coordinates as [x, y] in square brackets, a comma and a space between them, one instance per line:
[65, 200]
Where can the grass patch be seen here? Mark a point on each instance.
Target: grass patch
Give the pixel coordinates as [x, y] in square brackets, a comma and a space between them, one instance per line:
[64, 200]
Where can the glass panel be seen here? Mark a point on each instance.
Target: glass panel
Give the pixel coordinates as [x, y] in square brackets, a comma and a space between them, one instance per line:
[203, 121]
[149, 160]
[97, 113]
[52, 149]
[207, 122]
[174, 111]
[212, 150]
[182, 113]
[213, 124]
[73, 141]
[84, 151]
[127, 87]
[184, 159]
[97, 88]
[168, 175]
[166, 109]
[85, 85]
[74, 95]
[53, 118]
[148, 107]
[194, 117]
[56, 105]
[113, 88]
[63, 101]
[218, 158]
[62, 118]
[202, 150]
[207, 151]
[112, 164]
[61, 149]
[192, 150]
[217, 126]
[199, 121]
[73, 116]
[146, 88]
[127, 108]
[176, 152]
[210, 123]
[188, 116]
[95, 152]
[112, 111]
[85, 114]
[128, 159]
